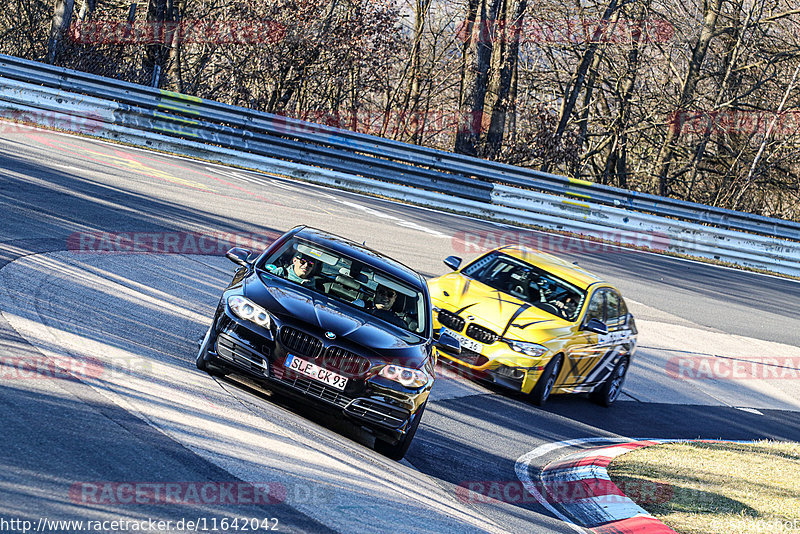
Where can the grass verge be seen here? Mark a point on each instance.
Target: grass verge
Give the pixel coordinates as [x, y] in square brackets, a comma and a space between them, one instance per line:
[716, 488]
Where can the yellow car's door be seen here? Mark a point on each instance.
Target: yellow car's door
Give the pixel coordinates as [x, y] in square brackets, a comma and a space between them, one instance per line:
[618, 341]
[585, 350]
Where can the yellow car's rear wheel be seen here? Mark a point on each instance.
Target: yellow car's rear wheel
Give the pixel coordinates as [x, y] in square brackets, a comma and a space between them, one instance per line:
[609, 391]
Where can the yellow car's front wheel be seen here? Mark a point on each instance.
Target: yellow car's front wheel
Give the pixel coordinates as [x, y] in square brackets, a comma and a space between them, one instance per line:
[544, 386]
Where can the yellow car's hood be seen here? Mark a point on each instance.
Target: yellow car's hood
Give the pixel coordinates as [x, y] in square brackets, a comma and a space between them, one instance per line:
[505, 314]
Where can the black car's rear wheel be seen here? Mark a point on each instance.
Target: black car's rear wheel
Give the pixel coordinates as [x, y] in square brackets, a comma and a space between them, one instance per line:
[606, 393]
[544, 386]
[398, 450]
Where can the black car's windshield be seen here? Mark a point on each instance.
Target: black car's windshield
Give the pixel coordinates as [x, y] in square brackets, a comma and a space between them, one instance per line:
[350, 281]
[528, 283]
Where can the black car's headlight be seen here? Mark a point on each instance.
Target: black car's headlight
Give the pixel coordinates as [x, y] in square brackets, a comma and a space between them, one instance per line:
[525, 347]
[410, 378]
[249, 310]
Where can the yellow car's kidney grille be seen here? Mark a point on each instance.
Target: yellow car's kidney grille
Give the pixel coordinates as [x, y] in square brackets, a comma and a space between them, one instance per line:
[479, 333]
[451, 320]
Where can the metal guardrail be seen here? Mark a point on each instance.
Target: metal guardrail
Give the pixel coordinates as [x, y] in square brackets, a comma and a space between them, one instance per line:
[240, 136]
[370, 156]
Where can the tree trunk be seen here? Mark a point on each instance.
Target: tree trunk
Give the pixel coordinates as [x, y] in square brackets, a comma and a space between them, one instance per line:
[729, 81]
[175, 73]
[414, 129]
[617, 164]
[469, 48]
[476, 81]
[156, 55]
[87, 9]
[62, 15]
[580, 75]
[583, 122]
[667, 151]
[293, 82]
[512, 26]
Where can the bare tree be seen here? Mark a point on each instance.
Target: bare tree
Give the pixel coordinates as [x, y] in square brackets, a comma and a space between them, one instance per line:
[504, 103]
[62, 16]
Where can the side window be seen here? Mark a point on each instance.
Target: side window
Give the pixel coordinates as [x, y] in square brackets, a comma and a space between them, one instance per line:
[613, 310]
[595, 308]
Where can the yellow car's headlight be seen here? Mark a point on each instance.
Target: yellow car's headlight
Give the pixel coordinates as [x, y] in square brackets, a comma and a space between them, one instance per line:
[525, 347]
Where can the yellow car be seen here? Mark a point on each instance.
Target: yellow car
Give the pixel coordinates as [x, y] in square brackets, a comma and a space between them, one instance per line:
[534, 323]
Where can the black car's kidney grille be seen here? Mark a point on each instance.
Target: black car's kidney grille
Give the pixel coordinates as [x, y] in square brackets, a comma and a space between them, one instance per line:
[479, 333]
[472, 358]
[451, 320]
[337, 359]
[345, 362]
[300, 343]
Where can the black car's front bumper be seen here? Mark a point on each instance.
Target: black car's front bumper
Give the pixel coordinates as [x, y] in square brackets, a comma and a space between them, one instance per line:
[382, 407]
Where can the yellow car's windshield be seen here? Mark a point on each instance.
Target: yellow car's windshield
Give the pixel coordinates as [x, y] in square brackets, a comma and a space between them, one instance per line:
[528, 283]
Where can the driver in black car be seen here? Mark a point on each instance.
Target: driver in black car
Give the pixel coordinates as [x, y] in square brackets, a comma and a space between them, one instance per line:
[302, 270]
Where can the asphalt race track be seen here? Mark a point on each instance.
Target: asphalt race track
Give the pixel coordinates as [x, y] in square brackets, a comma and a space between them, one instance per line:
[116, 405]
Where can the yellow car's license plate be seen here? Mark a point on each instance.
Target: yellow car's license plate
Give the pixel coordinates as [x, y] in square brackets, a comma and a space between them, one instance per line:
[466, 342]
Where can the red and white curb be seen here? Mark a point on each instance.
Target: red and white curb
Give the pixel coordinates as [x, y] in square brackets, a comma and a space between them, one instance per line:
[602, 506]
[579, 484]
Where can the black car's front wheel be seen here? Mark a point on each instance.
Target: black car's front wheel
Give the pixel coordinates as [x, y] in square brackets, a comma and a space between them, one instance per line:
[607, 392]
[544, 386]
[202, 362]
[398, 450]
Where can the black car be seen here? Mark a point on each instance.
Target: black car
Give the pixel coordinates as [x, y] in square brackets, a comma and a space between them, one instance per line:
[334, 324]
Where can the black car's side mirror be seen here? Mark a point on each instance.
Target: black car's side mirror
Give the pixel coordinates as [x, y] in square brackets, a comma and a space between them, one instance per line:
[448, 344]
[453, 262]
[596, 326]
[238, 256]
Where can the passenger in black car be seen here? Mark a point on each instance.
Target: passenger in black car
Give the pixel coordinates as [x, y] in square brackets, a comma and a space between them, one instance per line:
[381, 307]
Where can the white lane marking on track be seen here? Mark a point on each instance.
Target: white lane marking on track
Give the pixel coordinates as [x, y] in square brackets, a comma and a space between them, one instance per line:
[397, 220]
[262, 180]
[749, 410]
[258, 180]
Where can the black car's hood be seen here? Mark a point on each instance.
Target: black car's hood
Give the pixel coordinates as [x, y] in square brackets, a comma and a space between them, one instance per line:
[286, 300]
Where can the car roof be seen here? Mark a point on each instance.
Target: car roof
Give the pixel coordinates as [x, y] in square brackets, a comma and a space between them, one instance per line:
[361, 253]
[565, 270]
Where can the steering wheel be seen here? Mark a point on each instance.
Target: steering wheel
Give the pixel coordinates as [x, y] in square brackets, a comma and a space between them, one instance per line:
[519, 290]
[549, 308]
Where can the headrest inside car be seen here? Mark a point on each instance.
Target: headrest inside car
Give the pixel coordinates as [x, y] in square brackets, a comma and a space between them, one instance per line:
[347, 282]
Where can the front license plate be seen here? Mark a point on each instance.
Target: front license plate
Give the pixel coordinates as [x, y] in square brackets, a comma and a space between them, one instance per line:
[316, 372]
[466, 342]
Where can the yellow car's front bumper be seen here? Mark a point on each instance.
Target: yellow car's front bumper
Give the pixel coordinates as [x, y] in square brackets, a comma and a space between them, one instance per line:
[497, 363]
